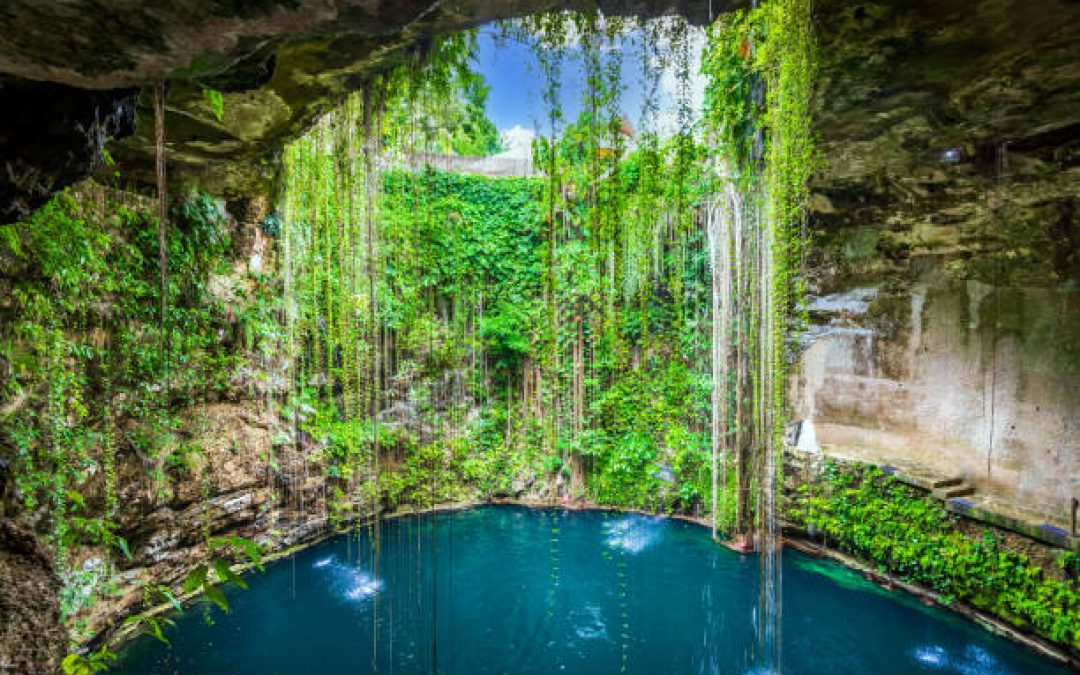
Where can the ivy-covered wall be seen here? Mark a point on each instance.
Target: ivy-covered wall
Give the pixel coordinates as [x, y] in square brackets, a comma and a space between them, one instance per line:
[126, 440]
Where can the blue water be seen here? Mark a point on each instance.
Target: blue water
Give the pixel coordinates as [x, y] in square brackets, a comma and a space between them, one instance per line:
[516, 590]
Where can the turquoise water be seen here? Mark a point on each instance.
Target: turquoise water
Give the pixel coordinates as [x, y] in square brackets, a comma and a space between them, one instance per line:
[516, 590]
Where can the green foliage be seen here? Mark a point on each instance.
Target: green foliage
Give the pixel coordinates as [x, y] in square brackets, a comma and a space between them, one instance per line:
[911, 536]
[507, 334]
[431, 474]
[216, 101]
[238, 547]
[546, 294]
[760, 65]
[643, 452]
[438, 103]
[204, 224]
[86, 664]
[87, 351]
[154, 626]
[731, 108]
[476, 136]
[474, 235]
[199, 579]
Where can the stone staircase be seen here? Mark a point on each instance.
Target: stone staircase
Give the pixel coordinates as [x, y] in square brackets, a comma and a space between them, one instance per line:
[950, 488]
[942, 486]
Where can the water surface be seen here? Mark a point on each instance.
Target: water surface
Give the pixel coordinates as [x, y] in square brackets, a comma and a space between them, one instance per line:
[515, 590]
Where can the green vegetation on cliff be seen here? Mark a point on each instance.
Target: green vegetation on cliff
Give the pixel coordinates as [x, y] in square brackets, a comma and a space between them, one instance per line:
[862, 511]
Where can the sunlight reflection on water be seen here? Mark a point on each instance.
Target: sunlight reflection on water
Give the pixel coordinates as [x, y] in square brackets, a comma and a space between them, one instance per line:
[592, 626]
[974, 661]
[632, 534]
[347, 581]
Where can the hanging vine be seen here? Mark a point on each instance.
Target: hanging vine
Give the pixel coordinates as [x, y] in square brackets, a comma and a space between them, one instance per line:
[761, 69]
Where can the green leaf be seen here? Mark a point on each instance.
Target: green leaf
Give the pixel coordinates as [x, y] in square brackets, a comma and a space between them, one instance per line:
[153, 625]
[195, 578]
[74, 664]
[214, 543]
[221, 567]
[76, 498]
[153, 628]
[100, 659]
[122, 544]
[216, 101]
[254, 553]
[216, 596]
[167, 593]
[225, 573]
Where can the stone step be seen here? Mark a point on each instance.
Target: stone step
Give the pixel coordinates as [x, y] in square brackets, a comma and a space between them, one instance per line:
[946, 482]
[954, 491]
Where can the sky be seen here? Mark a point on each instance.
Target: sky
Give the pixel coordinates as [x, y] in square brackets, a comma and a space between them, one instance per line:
[515, 102]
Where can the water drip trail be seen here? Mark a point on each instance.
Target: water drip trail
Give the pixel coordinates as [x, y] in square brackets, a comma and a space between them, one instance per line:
[759, 131]
[722, 216]
[1001, 165]
[163, 268]
[162, 233]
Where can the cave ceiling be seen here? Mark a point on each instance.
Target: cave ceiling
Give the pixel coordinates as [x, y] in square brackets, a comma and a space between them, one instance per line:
[902, 82]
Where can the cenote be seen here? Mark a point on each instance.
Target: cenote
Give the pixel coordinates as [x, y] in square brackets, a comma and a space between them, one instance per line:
[503, 589]
[789, 275]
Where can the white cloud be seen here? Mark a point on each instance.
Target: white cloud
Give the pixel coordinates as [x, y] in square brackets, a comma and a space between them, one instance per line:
[667, 114]
[517, 142]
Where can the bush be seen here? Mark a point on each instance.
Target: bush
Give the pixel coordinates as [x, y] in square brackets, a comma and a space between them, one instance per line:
[910, 535]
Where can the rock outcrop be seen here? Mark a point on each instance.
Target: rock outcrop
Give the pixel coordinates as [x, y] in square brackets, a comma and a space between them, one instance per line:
[237, 483]
[946, 244]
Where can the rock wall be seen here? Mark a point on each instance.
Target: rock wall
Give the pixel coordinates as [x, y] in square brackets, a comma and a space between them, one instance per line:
[51, 136]
[224, 474]
[965, 378]
[945, 259]
[238, 484]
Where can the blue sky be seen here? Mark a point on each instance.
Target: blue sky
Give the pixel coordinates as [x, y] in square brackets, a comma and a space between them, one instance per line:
[515, 102]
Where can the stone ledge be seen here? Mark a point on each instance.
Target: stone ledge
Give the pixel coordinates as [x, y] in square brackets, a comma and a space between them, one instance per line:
[984, 510]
